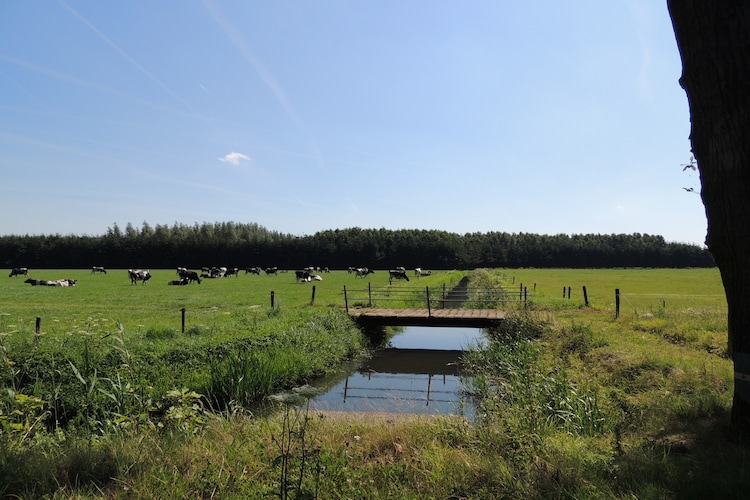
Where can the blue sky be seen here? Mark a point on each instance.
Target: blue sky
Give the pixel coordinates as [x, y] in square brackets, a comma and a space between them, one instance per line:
[540, 117]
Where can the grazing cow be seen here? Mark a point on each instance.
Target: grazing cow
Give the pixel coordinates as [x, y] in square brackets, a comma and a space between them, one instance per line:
[254, 270]
[302, 275]
[397, 274]
[189, 276]
[272, 270]
[137, 275]
[231, 271]
[17, 271]
[218, 272]
[98, 269]
[32, 282]
[361, 272]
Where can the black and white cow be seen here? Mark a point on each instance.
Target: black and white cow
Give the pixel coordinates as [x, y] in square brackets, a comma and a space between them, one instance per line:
[179, 282]
[98, 269]
[137, 275]
[61, 283]
[419, 272]
[272, 270]
[361, 272]
[254, 270]
[18, 271]
[188, 276]
[397, 274]
[303, 275]
[218, 272]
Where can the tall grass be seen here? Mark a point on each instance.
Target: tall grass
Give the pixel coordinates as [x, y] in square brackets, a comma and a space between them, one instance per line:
[510, 382]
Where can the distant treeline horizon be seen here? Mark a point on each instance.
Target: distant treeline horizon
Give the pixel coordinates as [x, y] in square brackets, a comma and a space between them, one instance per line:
[245, 245]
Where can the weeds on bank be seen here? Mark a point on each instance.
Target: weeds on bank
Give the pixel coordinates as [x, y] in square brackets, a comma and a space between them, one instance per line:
[507, 379]
[299, 460]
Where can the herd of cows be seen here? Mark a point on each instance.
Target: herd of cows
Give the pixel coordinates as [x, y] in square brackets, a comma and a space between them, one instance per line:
[187, 276]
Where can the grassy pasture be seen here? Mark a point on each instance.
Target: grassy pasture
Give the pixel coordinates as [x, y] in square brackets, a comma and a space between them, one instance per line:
[104, 300]
[590, 407]
[641, 290]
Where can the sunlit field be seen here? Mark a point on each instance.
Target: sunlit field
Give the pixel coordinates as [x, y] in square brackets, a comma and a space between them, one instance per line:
[112, 298]
[641, 290]
[573, 399]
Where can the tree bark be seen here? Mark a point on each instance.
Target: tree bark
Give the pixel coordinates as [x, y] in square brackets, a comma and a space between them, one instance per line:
[713, 37]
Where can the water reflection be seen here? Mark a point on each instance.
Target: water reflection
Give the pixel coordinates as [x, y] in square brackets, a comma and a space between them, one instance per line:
[418, 372]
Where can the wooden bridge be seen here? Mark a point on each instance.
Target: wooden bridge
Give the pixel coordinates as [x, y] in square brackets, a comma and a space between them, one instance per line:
[416, 306]
[479, 318]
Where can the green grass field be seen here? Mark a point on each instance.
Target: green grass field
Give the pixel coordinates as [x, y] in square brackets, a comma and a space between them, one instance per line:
[111, 298]
[105, 300]
[573, 402]
[640, 289]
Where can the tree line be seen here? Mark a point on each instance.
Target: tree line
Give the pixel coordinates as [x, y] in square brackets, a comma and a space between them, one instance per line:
[249, 245]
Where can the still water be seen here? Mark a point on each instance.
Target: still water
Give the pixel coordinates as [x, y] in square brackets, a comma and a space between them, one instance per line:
[417, 372]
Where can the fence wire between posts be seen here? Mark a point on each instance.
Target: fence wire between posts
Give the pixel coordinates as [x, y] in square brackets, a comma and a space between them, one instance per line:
[651, 304]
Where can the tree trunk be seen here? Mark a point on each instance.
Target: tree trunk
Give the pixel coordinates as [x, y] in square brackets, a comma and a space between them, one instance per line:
[713, 37]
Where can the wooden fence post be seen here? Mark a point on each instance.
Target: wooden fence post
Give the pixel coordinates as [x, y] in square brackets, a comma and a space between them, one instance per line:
[569, 292]
[617, 303]
[183, 319]
[429, 310]
[346, 300]
[312, 300]
[38, 325]
[585, 296]
[563, 292]
[272, 298]
[369, 294]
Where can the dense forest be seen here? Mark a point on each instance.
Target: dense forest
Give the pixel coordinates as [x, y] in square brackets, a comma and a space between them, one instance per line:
[240, 245]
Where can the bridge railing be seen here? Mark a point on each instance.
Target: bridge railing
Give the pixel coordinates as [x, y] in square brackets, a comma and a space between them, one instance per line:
[434, 298]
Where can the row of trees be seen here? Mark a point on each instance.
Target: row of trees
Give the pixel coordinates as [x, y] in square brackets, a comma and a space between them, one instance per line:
[248, 245]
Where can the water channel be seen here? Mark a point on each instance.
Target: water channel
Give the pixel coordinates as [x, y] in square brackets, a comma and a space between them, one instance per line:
[416, 372]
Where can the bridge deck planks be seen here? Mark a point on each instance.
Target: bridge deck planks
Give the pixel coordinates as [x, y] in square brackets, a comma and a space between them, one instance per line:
[407, 317]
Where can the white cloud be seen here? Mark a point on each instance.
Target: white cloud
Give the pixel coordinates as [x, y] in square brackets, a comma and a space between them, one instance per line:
[235, 158]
